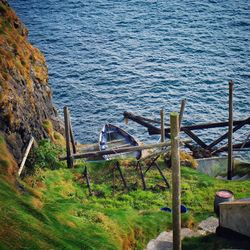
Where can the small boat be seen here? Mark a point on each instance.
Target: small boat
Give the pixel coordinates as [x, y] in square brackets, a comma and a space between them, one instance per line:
[113, 137]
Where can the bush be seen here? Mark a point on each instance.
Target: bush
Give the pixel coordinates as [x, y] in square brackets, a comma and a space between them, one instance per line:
[45, 156]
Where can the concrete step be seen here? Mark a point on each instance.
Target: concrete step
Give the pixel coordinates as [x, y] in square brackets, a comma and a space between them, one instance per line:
[235, 177]
[164, 241]
[220, 177]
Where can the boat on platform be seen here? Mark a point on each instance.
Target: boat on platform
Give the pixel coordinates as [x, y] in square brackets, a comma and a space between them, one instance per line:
[113, 137]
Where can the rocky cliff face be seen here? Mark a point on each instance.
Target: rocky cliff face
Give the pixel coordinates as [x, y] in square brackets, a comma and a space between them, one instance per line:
[25, 97]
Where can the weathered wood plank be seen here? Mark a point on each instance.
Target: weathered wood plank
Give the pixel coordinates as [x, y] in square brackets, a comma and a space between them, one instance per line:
[121, 175]
[67, 137]
[86, 175]
[223, 137]
[195, 138]
[162, 175]
[176, 194]
[142, 175]
[162, 114]
[25, 156]
[117, 151]
[154, 130]
[72, 137]
[183, 104]
[230, 132]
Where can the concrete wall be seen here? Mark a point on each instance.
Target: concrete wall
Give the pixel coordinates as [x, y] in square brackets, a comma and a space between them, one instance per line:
[212, 166]
[236, 216]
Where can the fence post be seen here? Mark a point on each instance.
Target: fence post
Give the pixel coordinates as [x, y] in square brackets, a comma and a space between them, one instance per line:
[230, 132]
[183, 104]
[72, 137]
[162, 113]
[67, 137]
[175, 163]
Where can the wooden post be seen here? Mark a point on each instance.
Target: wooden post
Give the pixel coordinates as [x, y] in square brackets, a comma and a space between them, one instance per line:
[176, 196]
[230, 132]
[162, 113]
[142, 176]
[67, 137]
[25, 156]
[113, 180]
[183, 104]
[121, 174]
[86, 175]
[72, 137]
[162, 175]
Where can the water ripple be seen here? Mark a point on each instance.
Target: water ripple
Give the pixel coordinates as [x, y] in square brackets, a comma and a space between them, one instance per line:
[108, 56]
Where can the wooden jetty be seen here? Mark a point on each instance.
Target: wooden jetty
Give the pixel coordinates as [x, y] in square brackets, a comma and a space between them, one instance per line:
[189, 131]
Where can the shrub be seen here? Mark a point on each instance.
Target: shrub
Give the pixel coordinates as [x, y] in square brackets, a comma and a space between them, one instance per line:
[45, 156]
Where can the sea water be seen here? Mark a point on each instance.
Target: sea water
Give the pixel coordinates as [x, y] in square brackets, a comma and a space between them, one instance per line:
[108, 56]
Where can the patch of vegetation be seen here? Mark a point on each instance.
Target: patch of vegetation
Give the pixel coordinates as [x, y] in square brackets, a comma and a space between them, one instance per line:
[56, 137]
[55, 210]
[45, 156]
[7, 163]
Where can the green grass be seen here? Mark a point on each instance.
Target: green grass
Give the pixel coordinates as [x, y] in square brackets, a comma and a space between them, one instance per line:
[56, 212]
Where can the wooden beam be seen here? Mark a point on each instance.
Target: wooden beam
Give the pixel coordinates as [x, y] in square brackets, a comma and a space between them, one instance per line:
[230, 132]
[140, 121]
[86, 175]
[151, 164]
[117, 164]
[67, 137]
[162, 175]
[195, 138]
[162, 114]
[72, 137]
[223, 137]
[154, 130]
[176, 194]
[202, 126]
[235, 147]
[117, 151]
[142, 175]
[25, 156]
[183, 104]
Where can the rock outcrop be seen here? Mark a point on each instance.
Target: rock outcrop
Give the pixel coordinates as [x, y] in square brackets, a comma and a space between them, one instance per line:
[25, 96]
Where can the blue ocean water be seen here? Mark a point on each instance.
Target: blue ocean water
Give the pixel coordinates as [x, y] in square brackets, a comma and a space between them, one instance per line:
[108, 56]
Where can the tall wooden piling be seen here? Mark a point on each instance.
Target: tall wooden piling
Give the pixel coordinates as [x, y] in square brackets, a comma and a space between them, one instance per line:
[72, 137]
[162, 114]
[176, 196]
[183, 104]
[67, 137]
[230, 132]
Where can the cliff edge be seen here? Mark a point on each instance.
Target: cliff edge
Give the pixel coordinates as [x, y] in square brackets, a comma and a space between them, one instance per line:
[26, 107]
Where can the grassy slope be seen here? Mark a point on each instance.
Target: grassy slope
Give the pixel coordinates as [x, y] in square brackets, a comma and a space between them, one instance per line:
[56, 211]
